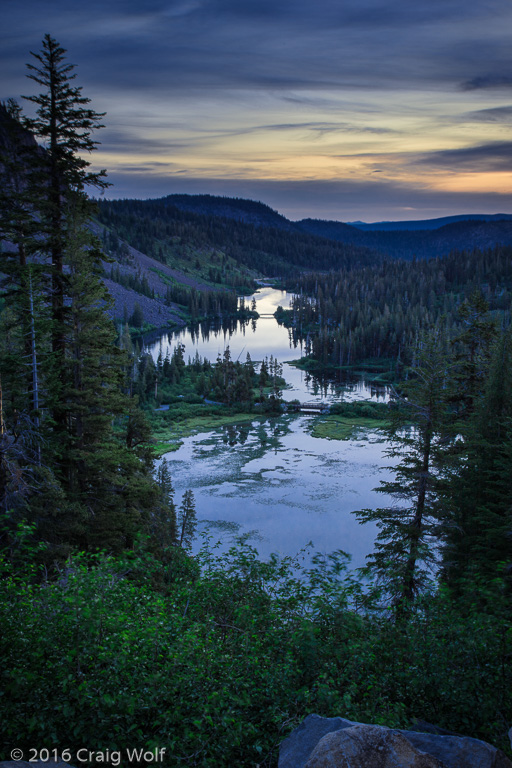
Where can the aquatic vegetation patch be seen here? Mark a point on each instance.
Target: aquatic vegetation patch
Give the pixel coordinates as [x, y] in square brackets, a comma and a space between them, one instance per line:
[230, 528]
[336, 427]
[171, 437]
[227, 526]
[243, 430]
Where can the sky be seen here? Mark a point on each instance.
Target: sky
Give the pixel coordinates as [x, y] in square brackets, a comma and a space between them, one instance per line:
[333, 109]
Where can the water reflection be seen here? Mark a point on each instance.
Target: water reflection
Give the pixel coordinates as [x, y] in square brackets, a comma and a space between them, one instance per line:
[262, 338]
[272, 480]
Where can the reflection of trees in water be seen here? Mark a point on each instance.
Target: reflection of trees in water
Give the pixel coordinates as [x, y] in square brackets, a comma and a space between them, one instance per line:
[267, 433]
[294, 339]
[319, 385]
[243, 433]
[227, 327]
[236, 434]
[201, 331]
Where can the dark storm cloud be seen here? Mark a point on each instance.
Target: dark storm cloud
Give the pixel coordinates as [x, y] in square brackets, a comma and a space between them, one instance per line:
[496, 156]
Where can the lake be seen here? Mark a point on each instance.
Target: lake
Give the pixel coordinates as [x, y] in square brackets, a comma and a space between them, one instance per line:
[270, 479]
[262, 338]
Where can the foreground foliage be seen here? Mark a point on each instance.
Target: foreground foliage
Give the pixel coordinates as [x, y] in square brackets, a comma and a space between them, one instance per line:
[217, 658]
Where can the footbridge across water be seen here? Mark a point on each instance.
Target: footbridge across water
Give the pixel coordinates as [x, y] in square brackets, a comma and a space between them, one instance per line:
[314, 407]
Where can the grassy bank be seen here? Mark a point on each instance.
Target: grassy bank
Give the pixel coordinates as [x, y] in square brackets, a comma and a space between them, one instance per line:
[170, 427]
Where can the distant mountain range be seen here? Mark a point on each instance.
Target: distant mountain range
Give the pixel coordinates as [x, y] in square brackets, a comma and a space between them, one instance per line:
[405, 239]
[256, 238]
[424, 244]
[423, 224]
[169, 251]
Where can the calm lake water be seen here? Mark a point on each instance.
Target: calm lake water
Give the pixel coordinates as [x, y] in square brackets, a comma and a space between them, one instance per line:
[270, 478]
[262, 338]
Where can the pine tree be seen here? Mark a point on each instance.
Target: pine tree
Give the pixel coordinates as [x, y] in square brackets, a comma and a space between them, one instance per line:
[478, 494]
[406, 545]
[163, 517]
[137, 318]
[473, 350]
[88, 484]
[65, 124]
[187, 520]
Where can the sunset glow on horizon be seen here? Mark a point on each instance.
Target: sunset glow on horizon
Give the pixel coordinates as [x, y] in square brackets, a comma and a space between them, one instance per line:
[373, 111]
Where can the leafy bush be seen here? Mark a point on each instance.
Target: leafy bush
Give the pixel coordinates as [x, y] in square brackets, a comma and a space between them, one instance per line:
[217, 658]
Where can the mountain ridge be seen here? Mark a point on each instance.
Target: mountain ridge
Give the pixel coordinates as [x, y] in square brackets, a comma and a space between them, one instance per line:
[426, 224]
[403, 240]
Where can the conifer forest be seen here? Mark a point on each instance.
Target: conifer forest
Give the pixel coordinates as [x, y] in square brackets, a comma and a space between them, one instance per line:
[119, 628]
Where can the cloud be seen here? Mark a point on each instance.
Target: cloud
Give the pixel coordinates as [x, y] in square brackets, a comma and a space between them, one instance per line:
[124, 142]
[491, 115]
[220, 86]
[174, 46]
[495, 156]
[483, 82]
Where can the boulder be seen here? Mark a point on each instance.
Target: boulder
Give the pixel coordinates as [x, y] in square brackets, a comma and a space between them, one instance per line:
[449, 750]
[423, 727]
[296, 749]
[459, 751]
[369, 746]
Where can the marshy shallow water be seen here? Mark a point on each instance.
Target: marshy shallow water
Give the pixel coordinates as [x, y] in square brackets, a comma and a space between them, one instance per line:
[273, 480]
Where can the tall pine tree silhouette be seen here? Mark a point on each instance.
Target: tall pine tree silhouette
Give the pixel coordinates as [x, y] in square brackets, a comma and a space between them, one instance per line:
[65, 123]
[406, 546]
[93, 486]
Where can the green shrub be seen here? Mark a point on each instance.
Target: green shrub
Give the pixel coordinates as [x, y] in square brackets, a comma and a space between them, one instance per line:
[217, 658]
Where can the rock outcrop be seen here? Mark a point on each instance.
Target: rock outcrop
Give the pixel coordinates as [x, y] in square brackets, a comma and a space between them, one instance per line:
[369, 746]
[322, 742]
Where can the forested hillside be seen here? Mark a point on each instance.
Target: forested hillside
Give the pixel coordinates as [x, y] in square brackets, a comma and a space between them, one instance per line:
[352, 316]
[114, 635]
[427, 224]
[190, 288]
[259, 238]
[239, 209]
[165, 231]
[416, 243]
